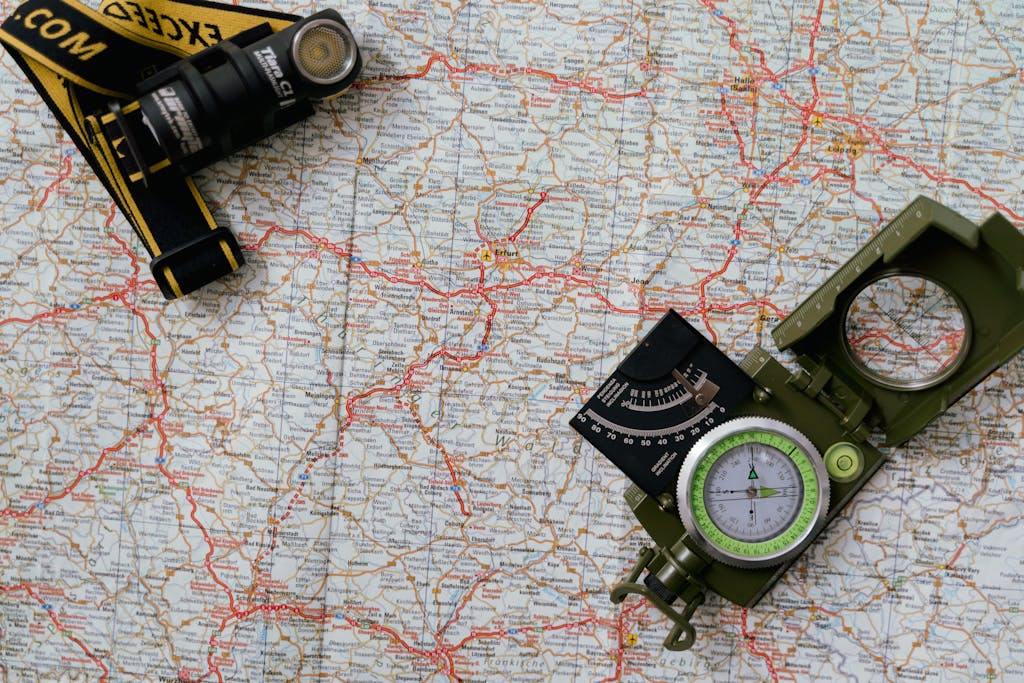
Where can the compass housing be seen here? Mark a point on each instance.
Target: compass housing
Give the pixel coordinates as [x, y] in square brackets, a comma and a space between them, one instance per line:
[980, 267]
[676, 402]
[793, 535]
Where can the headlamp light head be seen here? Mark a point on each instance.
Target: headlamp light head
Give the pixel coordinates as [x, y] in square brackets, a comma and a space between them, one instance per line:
[237, 92]
[324, 51]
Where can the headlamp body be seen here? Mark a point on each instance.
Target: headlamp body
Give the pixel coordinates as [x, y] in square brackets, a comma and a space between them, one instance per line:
[145, 138]
[235, 93]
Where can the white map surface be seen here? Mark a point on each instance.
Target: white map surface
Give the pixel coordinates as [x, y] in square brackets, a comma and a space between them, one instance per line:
[351, 460]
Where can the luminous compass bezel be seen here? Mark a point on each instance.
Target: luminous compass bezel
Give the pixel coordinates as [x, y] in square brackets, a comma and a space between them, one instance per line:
[794, 538]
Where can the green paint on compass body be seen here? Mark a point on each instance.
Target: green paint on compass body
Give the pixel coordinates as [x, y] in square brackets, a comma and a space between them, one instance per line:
[739, 516]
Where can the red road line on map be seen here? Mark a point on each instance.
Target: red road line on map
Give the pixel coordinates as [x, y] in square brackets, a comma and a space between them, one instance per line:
[724, 110]
[410, 371]
[241, 615]
[88, 653]
[119, 295]
[455, 482]
[881, 334]
[738, 227]
[447, 460]
[498, 633]
[127, 250]
[61, 629]
[62, 175]
[156, 420]
[526, 220]
[480, 233]
[82, 475]
[361, 265]
[956, 556]
[465, 600]
[58, 311]
[506, 71]
[759, 303]
[750, 640]
[342, 253]
[621, 629]
[208, 558]
[568, 278]
[433, 655]
[282, 607]
[953, 339]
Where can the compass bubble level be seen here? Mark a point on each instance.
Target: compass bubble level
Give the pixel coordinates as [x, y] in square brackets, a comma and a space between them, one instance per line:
[672, 389]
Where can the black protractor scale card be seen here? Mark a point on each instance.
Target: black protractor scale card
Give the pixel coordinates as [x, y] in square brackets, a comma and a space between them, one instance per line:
[674, 387]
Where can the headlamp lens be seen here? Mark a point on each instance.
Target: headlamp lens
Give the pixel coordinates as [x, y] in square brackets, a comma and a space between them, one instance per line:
[324, 52]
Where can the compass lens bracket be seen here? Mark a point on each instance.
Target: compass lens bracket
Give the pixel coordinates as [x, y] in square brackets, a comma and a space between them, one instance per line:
[905, 331]
[928, 308]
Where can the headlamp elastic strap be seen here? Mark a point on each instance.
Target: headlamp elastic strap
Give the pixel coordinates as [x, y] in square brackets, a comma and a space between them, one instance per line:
[86, 65]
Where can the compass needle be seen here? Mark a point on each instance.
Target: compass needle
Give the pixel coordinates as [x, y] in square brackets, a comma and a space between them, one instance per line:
[780, 518]
[753, 471]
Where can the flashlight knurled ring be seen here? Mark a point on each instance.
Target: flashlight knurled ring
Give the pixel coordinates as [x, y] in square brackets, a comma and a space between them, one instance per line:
[348, 43]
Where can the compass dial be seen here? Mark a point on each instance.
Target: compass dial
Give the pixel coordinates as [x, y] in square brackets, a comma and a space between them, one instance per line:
[754, 492]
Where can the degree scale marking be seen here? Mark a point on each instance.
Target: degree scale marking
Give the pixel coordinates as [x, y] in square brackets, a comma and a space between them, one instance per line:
[701, 394]
[796, 528]
[608, 424]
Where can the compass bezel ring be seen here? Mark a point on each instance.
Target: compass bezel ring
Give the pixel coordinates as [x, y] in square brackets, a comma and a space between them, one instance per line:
[791, 541]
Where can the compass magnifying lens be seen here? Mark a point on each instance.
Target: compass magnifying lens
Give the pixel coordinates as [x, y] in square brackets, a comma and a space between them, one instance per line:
[906, 332]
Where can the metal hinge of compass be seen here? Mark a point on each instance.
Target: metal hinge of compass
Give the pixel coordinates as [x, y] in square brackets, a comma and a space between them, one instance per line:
[817, 381]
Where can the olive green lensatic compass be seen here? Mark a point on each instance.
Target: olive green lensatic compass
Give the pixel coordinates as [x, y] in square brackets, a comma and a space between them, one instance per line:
[737, 468]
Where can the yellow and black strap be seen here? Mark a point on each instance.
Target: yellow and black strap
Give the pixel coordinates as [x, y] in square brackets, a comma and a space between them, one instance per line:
[86, 65]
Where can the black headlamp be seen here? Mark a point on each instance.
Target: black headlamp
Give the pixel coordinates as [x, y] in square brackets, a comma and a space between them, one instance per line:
[145, 138]
[200, 109]
[235, 93]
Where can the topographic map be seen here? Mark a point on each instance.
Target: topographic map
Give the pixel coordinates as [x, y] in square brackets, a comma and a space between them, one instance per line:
[351, 460]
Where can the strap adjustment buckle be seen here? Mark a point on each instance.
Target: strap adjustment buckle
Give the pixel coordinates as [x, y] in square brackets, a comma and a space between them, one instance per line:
[193, 264]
